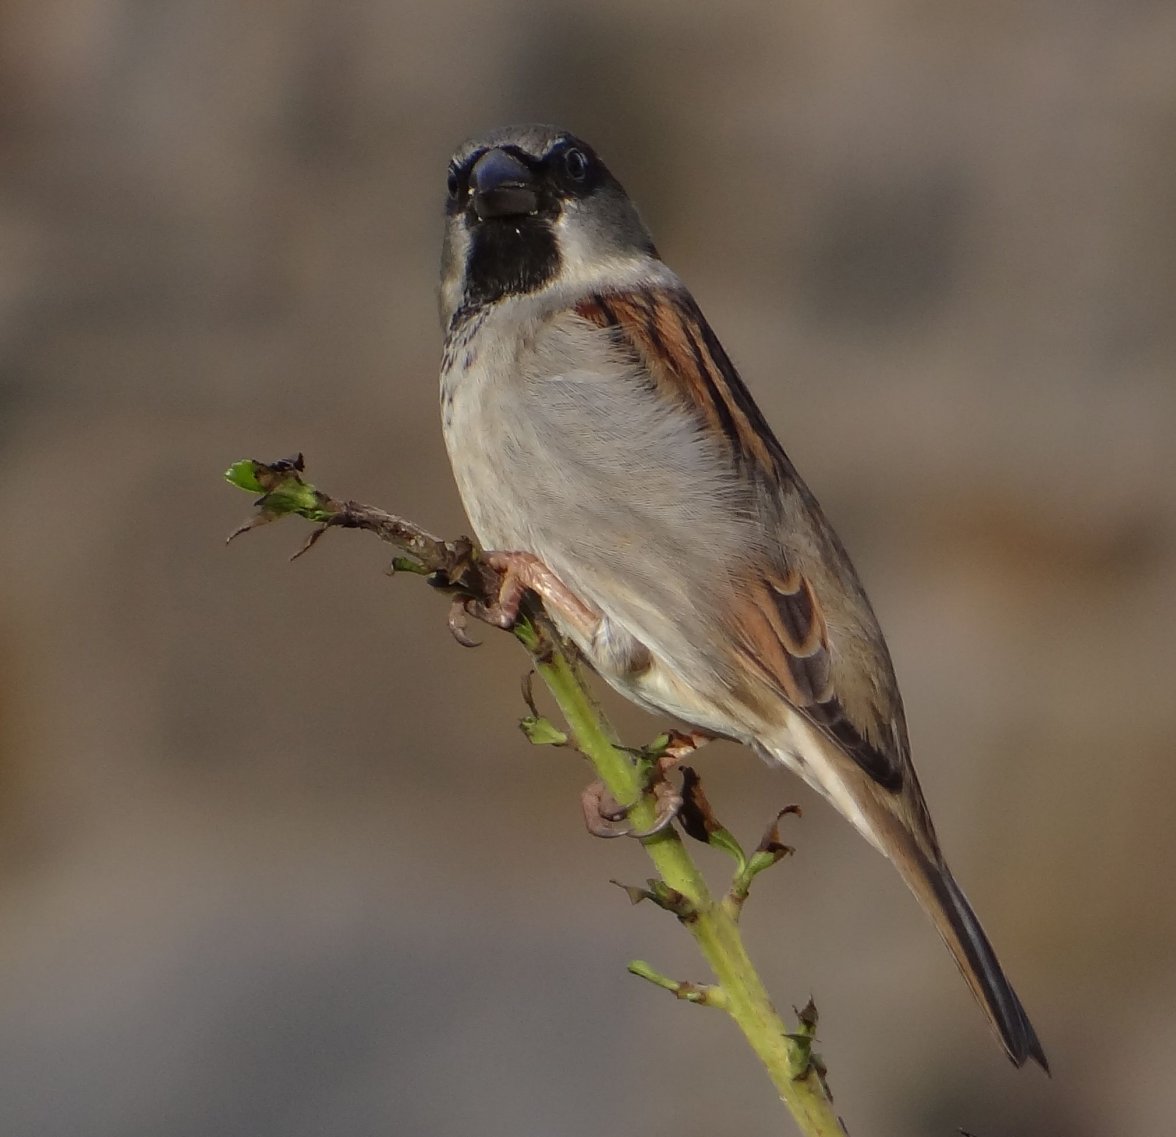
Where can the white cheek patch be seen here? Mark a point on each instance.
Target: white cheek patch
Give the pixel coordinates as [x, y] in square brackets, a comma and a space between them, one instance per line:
[589, 263]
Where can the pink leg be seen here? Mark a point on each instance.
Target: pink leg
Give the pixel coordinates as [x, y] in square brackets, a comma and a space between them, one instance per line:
[604, 817]
[523, 573]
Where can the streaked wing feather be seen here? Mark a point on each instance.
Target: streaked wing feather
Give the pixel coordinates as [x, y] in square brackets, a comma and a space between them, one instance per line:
[671, 339]
[784, 635]
[781, 628]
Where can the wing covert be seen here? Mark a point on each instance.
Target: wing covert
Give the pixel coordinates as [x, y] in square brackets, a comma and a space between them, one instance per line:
[780, 630]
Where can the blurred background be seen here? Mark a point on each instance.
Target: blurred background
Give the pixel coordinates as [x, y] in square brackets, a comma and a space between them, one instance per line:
[274, 857]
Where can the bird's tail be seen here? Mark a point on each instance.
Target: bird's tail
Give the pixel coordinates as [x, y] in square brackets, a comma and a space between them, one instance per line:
[934, 886]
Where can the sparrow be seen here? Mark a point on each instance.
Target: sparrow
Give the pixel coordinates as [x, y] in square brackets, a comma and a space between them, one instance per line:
[608, 453]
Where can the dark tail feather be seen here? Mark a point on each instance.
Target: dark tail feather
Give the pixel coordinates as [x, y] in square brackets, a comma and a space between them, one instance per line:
[955, 921]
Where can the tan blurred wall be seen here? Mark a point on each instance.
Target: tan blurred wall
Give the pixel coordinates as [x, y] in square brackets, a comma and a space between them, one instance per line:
[274, 857]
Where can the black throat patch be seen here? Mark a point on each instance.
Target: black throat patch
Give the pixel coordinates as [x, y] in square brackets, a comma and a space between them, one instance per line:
[508, 256]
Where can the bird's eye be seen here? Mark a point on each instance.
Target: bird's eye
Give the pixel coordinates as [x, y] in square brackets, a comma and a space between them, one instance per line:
[453, 185]
[576, 164]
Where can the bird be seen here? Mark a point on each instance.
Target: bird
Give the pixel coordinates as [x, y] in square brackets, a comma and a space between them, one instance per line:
[612, 461]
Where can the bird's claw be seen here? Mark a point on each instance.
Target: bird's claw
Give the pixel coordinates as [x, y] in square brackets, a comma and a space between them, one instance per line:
[457, 622]
[519, 574]
[604, 816]
[503, 611]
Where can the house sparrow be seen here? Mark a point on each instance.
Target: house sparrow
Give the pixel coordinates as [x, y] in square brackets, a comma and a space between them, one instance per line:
[607, 450]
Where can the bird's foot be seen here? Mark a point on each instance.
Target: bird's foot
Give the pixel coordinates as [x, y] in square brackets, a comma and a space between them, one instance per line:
[604, 816]
[522, 573]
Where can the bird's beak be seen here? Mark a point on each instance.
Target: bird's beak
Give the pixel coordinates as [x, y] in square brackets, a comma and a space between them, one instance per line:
[503, 186]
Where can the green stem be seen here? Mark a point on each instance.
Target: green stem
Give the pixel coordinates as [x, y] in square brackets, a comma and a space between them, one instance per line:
[786, 1056]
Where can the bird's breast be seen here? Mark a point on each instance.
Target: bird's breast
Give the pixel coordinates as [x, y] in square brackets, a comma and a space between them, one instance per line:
[562, 447]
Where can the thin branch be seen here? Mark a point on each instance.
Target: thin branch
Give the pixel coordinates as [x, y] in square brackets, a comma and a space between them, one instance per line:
[788, 1056]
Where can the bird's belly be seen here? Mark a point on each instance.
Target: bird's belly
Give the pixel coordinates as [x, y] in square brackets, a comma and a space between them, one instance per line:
[635, 510]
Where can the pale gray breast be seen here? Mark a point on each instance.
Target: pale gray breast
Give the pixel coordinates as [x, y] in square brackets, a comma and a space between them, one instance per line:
[561, 448]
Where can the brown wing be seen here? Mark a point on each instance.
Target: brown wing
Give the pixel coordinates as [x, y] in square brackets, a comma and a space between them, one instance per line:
[675, 346]
[782, 634]
[781, 631]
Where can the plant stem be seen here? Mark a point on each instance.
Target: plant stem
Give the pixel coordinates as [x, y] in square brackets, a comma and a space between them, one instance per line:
[786, 1056]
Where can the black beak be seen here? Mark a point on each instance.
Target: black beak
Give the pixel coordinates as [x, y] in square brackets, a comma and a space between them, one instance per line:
[503, 186]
